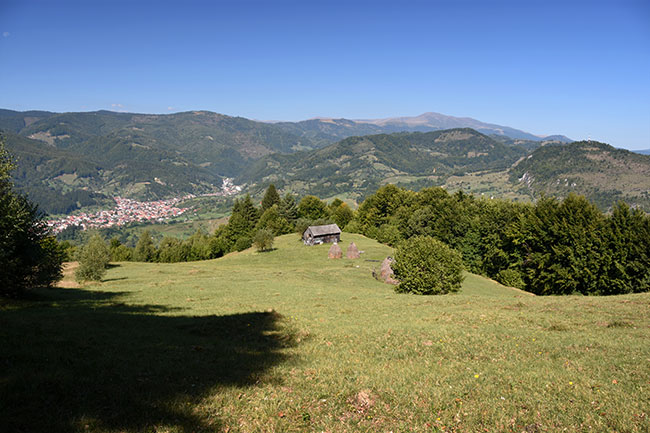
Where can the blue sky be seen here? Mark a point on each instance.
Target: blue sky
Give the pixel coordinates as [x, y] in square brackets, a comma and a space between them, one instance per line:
[579, 68]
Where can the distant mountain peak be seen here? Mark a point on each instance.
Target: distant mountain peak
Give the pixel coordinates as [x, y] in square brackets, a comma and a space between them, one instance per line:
[433, 121]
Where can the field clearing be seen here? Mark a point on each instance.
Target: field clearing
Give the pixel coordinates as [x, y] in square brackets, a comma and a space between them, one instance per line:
[289, 341]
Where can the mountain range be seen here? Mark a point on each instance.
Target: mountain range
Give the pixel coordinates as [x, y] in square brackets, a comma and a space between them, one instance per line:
[72, 160]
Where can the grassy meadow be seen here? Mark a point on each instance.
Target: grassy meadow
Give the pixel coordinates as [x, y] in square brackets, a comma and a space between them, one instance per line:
[290, 341]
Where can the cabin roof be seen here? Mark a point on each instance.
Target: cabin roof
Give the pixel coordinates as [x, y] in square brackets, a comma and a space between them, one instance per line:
[329, 229]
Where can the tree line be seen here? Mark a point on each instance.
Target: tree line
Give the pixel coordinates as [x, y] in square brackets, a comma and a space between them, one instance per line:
[551, 247]
[248, 224]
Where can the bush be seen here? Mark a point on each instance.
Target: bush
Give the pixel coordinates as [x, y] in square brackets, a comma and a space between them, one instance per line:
[263, 240]
[389, 234]
[243, 243]
[93, 260]
[426, 266]
[510, 277]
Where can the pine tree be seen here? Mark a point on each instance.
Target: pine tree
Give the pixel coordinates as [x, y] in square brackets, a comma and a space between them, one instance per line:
[271, 197]
[145, 251]
[272, 220]
[29, 257]
[288, 208]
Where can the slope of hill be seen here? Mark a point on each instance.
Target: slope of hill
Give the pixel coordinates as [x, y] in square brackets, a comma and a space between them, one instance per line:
[324, 131]
[291, 341]
[62, 180]
[221, 143]
[71, 160]
[360, 164]
[599, 171]
[135, 155]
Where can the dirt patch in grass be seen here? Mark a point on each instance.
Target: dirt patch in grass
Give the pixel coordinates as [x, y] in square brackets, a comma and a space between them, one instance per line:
[68, 281]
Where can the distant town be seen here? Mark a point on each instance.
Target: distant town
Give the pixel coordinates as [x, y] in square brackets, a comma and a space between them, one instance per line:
[129, 211]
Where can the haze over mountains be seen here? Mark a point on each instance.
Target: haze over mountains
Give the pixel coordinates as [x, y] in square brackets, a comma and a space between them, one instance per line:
[327, 129]
[72, 160]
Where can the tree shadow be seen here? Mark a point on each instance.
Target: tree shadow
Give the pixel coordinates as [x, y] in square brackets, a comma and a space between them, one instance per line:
[79, 360]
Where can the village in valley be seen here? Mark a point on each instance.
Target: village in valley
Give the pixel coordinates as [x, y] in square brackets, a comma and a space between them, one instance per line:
[129, 211]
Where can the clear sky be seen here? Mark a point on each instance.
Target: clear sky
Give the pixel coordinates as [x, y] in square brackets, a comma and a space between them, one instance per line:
[578, 68]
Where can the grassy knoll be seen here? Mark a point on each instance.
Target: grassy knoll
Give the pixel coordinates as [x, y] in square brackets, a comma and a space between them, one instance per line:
[291, 341]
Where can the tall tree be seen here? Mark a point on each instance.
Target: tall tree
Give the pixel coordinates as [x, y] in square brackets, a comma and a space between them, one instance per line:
[288, 208]
[271, 197]
[626, 254]
[311, 207]
[145, 251]
[29, 257]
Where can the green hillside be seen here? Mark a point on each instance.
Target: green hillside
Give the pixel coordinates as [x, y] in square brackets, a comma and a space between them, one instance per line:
[73, 160]
[61, 180]
[221, 143]
[290, 341]
[360, 164]
[323, 132]
[596, 170]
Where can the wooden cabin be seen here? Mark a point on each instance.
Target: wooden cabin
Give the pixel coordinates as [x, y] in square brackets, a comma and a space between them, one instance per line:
[314, 235]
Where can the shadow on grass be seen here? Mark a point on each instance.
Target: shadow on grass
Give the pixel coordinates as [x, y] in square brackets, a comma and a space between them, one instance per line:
[77, 360]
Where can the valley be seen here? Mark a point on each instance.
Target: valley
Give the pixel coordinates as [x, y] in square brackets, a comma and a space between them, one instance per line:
[76, 162]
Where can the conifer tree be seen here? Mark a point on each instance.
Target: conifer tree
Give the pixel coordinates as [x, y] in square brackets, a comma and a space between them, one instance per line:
[272, 220]
[288, 208]
[29, 257]
[145, 251]
[271, 197]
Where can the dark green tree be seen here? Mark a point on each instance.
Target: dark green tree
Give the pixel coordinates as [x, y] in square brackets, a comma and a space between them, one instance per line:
[199, 246]
[145, 251]
[342, 215]
[28, 258]
[272, 220]
[248, 212]
[562, 243]
[625, 258]
[271, 197]
[312, 208]
[119, 252]
[288, 208]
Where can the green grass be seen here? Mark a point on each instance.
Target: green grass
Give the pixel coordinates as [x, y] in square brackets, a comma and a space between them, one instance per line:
[289, 341]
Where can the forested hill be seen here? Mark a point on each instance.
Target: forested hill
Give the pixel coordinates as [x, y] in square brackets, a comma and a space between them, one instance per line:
[72, 160]
[599, 171]
[62, 180]
[360, 164]
[221, 143]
